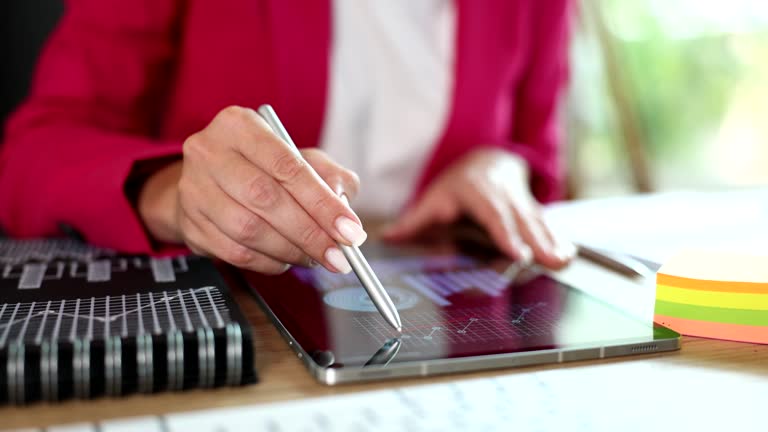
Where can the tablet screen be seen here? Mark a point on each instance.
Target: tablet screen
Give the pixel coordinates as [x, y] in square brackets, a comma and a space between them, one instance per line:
[452, 304]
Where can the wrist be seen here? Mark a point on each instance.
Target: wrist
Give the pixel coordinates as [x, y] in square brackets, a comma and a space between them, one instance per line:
[502, 164]
[157, 203]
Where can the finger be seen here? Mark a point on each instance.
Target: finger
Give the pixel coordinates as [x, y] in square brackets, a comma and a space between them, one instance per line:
[262, 195]
[247, 228]
[564, 249]
[548, 250]
[534, 236]
[433, 208]
[203, 238]
[498, 221]
[289, 169]
[338, 178]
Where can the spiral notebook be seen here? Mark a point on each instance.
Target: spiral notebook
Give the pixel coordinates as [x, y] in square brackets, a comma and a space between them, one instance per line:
[82, 322]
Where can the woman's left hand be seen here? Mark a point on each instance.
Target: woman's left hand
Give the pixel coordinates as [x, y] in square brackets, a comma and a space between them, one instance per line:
[491, 187]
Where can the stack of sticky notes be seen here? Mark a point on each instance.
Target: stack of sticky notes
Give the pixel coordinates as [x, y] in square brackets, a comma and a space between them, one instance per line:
[715, 295]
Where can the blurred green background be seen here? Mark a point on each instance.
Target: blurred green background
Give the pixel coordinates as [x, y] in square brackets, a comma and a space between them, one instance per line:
[694, 76]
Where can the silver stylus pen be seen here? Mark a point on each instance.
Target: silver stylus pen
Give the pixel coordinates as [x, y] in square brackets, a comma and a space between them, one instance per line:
[357, 261]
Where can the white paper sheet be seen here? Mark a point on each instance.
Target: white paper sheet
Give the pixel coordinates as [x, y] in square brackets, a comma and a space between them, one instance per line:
[657, 226]
[627, 396]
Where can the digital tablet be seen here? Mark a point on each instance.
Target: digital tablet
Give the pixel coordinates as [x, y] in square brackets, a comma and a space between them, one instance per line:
[461, 311]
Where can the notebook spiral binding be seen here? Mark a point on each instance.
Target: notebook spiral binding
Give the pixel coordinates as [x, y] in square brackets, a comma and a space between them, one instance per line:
[80, 360]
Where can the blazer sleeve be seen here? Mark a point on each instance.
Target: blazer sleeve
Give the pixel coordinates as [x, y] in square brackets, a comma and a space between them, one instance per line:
[94, 105]
[536, 132]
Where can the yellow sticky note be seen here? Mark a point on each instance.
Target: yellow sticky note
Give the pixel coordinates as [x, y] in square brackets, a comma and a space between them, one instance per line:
[717, 295]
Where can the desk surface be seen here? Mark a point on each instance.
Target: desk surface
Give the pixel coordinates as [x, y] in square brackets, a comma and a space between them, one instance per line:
[283, 377]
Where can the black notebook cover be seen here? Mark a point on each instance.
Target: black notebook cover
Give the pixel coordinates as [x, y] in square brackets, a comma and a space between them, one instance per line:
[77, 321]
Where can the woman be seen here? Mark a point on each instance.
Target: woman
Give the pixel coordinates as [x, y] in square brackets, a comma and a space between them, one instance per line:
[135, 131]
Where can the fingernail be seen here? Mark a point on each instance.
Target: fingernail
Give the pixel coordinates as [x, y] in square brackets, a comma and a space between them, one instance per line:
[336, 258]
[526, 254]
[565, 250]
[351, 230]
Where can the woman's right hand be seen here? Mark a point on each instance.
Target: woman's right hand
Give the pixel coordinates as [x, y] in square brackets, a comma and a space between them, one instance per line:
[242, 195]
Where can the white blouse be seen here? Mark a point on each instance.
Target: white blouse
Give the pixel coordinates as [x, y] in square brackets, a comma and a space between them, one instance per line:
[390, 88]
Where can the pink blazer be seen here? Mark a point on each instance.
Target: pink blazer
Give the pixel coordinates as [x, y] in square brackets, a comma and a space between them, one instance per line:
[127, 81]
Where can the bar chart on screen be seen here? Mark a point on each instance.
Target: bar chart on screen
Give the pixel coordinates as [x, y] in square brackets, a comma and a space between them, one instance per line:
[439, 286]
[435, 278]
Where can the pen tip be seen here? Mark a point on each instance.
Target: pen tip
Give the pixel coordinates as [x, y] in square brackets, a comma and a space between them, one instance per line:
[399, 329]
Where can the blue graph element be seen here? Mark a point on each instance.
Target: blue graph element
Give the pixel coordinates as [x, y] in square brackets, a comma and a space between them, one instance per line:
[356, 299]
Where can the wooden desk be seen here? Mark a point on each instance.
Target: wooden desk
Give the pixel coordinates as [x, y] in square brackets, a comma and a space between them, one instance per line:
[283, 377]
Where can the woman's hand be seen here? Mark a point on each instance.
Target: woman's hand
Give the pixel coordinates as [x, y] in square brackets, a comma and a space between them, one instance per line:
[242, 195]
[490, 186]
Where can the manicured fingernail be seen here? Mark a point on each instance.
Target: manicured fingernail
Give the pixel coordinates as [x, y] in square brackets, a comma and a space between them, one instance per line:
[336, 258]
[565, 250]
[351, 230]
[526, 254]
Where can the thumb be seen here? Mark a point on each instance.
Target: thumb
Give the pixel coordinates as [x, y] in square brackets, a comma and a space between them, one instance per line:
[426, 212]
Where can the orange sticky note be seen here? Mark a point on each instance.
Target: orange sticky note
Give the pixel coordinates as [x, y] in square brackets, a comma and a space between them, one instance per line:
[717, 295]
